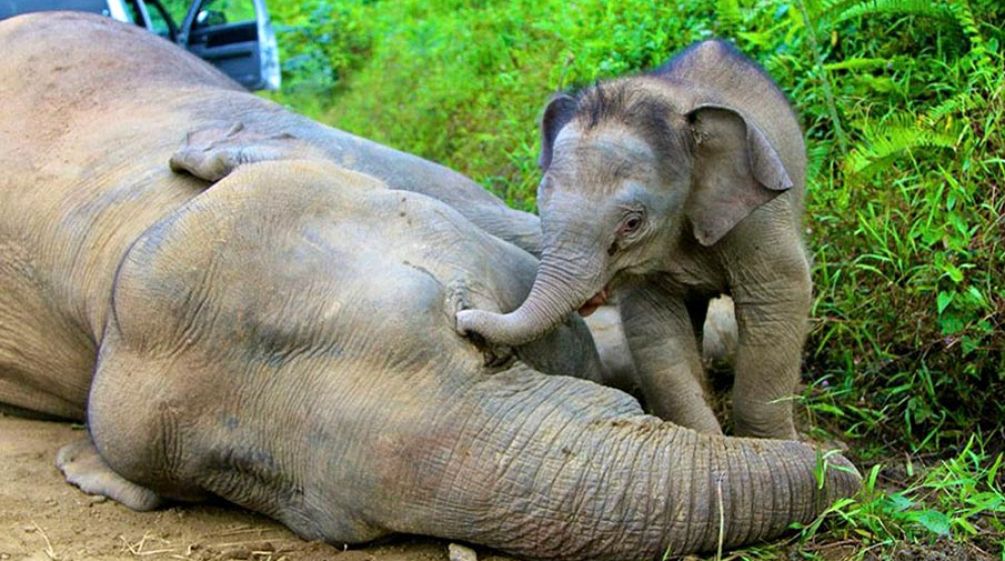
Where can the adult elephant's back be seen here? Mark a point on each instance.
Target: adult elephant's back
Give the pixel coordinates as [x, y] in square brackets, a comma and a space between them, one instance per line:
[93, 111]
[70, 66]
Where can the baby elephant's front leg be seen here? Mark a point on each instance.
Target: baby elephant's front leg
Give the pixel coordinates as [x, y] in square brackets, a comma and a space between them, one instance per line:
[771, 316]
[663, 343]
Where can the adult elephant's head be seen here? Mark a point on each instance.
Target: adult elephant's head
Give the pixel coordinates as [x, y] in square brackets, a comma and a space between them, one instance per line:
[632, 167]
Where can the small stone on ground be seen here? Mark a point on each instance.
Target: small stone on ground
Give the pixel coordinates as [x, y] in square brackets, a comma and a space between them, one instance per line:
[458, 552]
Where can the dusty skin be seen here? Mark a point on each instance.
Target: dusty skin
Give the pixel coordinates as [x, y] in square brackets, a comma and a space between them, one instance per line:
[41, 514]
[38, 510]
[42, 518]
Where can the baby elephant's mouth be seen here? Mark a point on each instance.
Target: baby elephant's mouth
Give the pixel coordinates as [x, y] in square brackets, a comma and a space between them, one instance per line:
[591, 305]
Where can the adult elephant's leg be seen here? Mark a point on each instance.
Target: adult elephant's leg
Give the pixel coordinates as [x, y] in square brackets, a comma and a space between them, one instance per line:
[663, 343]
[138, 424]
[214, 152]
[772, 304]
[84, 467]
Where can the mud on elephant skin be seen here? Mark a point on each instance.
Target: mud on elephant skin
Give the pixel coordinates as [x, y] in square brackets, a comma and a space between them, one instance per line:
[285, 339]
[673, 187]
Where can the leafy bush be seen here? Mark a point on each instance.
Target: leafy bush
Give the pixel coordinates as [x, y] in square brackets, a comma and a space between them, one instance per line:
[320, 43]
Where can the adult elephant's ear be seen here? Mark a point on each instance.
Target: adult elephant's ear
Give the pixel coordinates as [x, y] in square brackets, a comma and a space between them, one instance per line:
[212, 153]
[736, 170]
[559, 111]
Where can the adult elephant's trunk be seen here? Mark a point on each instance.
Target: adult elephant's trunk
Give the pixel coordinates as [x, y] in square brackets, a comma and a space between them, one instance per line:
[556, 468]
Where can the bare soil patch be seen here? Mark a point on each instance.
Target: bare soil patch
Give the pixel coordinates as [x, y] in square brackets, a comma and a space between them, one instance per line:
[43, 518]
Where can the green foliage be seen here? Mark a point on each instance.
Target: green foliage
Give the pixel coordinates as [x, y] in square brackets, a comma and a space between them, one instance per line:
[918, 258]
[892, 138]
[961, 498]
[954, 509]
[463, 82]
[902, 103]
[177, 9]
[320, 42]
[846, 10]
[729, 16]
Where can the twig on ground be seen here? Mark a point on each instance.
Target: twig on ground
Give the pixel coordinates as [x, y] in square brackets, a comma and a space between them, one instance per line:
[137, 548]
[48, 544]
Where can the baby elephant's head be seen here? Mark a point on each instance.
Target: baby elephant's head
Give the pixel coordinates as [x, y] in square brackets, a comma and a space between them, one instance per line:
[632, 168]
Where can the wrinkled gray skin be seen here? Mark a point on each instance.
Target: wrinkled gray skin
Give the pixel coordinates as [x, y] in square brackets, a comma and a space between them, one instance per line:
[285, 339]
[673, 187]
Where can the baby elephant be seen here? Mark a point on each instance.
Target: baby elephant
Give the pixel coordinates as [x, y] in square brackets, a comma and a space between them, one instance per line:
[673, 187]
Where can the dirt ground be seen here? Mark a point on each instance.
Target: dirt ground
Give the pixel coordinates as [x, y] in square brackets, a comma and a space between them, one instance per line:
[43, 518]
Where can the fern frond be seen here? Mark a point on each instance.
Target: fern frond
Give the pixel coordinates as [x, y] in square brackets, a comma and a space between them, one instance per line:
[818, 153]
[829, 7]
[895, 137]
[821, 15]
[955, 12]
[965, 19]
[957, 104]
[923, 8]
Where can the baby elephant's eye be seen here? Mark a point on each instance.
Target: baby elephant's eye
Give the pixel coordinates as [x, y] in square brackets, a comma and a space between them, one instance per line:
[631, 224]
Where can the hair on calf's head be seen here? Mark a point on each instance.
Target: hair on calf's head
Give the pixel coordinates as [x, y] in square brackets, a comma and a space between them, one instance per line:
[631, 104]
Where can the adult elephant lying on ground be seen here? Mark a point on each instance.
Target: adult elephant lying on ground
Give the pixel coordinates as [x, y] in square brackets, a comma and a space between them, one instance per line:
[285, 339]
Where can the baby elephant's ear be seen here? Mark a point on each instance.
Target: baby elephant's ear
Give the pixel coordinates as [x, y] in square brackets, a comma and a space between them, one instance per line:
[736, 170]
[212, 153]
[559, 111]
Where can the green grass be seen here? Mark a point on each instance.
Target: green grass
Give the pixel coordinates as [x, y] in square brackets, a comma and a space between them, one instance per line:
[956, 507]
[902, 104]
[951, 509]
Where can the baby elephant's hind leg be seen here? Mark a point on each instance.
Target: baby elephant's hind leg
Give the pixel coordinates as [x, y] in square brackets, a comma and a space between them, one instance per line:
[83, 466]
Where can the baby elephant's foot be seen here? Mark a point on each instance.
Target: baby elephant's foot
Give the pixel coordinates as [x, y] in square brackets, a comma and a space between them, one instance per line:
[83, 466]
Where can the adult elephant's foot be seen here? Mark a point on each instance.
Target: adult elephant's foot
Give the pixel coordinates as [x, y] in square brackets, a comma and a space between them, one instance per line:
[83, 466]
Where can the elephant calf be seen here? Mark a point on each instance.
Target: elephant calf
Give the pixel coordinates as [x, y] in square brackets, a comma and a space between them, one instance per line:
[673, 187]
[285, 339]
